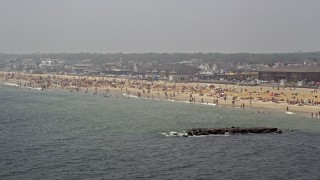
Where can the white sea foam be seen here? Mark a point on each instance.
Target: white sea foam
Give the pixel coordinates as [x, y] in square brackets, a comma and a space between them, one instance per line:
[209, 104]
[35, 88]
[175, 134]
[288, 112]
[132, 96]
[10, 84]
[16, 85]
[184, 134]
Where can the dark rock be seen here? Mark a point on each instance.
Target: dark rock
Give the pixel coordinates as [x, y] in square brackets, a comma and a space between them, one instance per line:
[232, 130]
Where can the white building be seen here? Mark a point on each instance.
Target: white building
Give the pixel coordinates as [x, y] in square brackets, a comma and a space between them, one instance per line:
[207, 70]
[179, 78]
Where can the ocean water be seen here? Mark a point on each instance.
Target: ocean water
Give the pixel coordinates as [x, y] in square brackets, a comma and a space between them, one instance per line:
[63, 135]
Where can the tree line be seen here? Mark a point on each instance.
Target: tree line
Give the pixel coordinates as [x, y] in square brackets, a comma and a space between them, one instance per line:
[100, 58]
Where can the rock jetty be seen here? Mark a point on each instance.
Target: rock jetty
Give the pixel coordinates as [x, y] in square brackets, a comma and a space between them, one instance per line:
[232, 130]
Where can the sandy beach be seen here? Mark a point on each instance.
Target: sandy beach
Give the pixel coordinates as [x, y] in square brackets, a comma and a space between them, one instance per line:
[259, 97]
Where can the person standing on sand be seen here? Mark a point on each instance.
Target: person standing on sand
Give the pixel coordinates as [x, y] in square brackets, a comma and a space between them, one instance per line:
[287, 108]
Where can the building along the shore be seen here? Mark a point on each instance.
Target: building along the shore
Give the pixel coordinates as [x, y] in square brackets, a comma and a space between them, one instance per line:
[290, 73]
[177, 69]
[180, 78]
[82, 67]
[239, 75]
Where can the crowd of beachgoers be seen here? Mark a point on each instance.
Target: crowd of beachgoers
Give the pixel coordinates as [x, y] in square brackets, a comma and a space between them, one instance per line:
[284, 98]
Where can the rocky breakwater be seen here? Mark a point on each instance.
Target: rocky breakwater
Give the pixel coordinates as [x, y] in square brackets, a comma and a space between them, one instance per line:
[232, 130]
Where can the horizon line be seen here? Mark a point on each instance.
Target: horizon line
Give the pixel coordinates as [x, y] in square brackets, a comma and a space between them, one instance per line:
[40, 53]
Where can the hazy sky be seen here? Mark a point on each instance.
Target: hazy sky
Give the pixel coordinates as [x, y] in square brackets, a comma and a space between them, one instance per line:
[107, 26]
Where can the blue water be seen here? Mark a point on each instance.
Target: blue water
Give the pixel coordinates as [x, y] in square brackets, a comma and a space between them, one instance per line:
[63, 135]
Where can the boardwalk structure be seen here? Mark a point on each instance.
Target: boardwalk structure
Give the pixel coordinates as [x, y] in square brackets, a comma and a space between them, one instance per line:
[290, 73]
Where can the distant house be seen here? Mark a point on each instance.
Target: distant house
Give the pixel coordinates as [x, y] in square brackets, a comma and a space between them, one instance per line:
[179, 78]
[290, 73]
[82, 67]
[177, 69]
[47, 66]
[206, 72]
[36, 71]
[142, 68]
[116, 71]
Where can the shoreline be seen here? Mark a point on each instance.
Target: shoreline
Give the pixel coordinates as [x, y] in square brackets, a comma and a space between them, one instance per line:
[202, 93]
[260, 110]
[256, 109]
